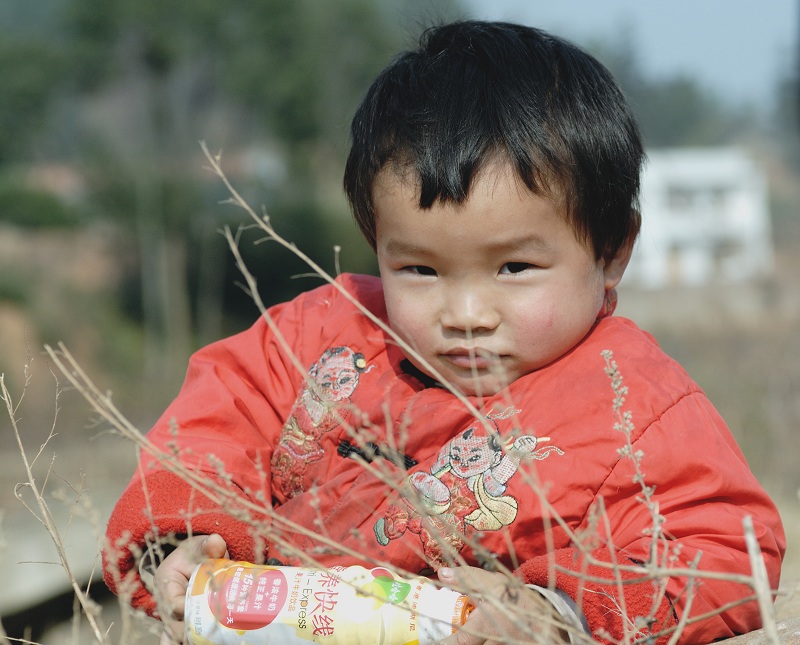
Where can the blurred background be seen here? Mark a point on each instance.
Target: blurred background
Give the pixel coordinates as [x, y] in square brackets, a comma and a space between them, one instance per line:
[109, 220]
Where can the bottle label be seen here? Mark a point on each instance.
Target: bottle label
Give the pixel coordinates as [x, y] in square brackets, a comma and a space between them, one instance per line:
[230, 603]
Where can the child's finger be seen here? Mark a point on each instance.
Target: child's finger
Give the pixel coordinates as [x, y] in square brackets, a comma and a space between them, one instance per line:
[214, 547]
[172, 575]
[468, 580]
[166, 639]
[199, 547]
[474, 632]
[172, 578]
[520, 614]
[471, 579]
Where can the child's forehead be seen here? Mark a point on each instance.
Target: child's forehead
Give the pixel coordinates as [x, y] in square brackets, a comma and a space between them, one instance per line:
[396, 194]
[402, 179]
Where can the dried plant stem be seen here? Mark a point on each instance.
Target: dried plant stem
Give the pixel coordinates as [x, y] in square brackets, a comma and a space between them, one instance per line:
[760, 582]
[42, 512]
[687, 606]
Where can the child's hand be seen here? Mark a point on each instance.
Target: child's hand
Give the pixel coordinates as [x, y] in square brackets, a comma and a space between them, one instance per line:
[528, 619]
[172, 578]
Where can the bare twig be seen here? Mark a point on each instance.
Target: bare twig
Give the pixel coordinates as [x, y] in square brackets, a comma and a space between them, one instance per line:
[760, 581]
[42, 512]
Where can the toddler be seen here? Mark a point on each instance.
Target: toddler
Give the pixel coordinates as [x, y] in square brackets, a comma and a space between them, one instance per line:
[463, 414]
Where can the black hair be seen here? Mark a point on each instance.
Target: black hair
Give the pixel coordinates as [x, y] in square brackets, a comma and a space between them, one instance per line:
[474, 91]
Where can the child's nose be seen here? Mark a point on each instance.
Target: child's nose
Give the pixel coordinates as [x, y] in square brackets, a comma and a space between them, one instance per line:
[469, 308]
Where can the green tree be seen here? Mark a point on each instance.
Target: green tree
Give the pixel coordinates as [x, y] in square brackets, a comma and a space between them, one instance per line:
[154, 76]
[30, 71]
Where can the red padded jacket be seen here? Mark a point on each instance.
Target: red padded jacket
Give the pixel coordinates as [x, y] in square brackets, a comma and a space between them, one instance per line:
[272, 418]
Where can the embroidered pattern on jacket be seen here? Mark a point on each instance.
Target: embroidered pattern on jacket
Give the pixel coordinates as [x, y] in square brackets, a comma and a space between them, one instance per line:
[464, 490]
[319, 408]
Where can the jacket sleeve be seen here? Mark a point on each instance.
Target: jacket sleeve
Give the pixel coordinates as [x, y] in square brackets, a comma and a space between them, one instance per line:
[703, 490]
[222, 427]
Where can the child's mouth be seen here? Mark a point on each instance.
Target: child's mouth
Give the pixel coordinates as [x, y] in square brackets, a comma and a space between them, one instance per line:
[474, 359]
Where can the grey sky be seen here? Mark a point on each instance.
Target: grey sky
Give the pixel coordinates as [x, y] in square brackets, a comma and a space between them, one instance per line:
[737, 48]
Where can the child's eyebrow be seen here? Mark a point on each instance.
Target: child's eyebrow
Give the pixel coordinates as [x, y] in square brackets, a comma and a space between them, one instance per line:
[526, 243]
[401, 247]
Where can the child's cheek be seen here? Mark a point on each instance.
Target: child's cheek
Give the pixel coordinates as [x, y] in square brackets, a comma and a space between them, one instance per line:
[538, 321]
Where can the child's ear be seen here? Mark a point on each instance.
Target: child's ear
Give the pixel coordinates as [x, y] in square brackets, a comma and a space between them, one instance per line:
[614, 267]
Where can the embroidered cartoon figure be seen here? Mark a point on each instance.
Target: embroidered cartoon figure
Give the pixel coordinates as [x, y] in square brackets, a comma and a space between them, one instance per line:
[464, 490]
[320, 407]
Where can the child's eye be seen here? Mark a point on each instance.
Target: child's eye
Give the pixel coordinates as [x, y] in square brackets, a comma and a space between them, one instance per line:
[515, 267]
[420, 269]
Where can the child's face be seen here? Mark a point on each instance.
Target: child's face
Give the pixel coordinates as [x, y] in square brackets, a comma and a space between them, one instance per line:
[488, 290]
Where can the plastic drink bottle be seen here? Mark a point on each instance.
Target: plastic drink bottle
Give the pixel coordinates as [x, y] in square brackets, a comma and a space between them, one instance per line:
[239, 603]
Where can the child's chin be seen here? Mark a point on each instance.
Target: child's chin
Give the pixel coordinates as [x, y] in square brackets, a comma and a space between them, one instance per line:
[481, 386]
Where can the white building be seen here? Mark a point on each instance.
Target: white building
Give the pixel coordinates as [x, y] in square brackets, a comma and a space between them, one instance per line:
[706, 220]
